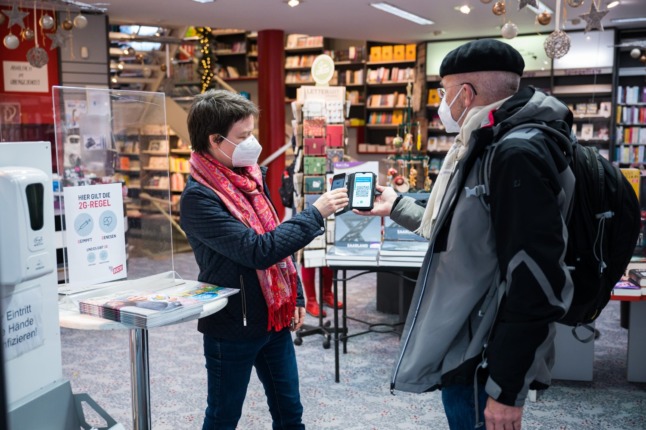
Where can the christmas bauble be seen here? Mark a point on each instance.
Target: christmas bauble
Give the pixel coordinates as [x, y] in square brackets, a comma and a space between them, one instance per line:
[67, 25]
[80, 21]
[37, 57]
[27, 34]
[139, 57]
[147, 72]
[509, 30]
[635, 53]
[10, 41]
[499, 8]
[485, 1]
[163, 67]
[557, 44]
[46, 22]
[544, 18]
[643, 58]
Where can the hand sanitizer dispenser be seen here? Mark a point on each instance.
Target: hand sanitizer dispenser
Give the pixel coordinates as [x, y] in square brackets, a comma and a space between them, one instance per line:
[24, 250]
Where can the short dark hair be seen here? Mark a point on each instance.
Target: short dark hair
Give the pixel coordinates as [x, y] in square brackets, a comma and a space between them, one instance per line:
[215, 112]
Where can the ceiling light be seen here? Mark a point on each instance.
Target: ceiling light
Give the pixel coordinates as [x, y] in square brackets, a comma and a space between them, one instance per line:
[541, 7]
[628, 20]
[401, 13]
[293, 3]
[465, 9]
[204, 1]
[613, 4]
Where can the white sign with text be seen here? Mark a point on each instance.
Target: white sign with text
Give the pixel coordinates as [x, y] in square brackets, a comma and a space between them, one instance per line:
[22, 77]
[22, 323]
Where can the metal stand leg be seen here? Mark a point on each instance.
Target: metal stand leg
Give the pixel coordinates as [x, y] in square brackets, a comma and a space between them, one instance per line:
[140, 379]
[336, 326]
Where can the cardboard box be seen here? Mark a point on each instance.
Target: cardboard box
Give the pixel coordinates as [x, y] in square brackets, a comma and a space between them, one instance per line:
[375, 53]
[411, 52]
[387, 53]
[399, 53]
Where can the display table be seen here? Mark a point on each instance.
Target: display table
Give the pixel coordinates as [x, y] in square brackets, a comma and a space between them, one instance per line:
[341, 333]
[636, 359]
[70, 317]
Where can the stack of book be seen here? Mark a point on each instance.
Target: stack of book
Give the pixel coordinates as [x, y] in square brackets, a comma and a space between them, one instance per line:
[632, 288]
[402, 253]
[147, 308]
[344, 256]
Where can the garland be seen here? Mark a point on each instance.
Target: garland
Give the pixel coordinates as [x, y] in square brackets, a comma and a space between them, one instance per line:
[205, 36]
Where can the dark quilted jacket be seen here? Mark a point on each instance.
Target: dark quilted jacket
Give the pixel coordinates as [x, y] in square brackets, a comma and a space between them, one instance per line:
[228, 254]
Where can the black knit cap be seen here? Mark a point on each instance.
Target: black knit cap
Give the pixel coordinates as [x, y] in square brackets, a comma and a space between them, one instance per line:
[484, 55]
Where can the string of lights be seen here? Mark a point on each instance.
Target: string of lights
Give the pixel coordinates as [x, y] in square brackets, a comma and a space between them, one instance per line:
[205, 50]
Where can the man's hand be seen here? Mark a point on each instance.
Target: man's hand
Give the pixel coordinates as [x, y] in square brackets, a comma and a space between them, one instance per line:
[502, 417]
[383, 203]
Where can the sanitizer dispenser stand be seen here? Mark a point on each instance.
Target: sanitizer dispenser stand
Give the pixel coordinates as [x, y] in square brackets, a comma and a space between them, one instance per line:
[37, 395]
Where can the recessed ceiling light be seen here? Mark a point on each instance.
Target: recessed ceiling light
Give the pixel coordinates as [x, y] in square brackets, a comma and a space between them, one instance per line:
[293, 3]
[613, 4]
[204, 1]
[386, 7]
[465, 9]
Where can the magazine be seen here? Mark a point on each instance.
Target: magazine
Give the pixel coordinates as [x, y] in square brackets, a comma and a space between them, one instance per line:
[147, 309]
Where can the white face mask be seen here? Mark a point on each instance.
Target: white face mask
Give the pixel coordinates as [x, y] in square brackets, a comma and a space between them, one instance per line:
[246, 152]
[444, 111]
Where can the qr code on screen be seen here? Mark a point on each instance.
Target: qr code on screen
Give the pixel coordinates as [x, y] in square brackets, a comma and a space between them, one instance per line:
[362, 191]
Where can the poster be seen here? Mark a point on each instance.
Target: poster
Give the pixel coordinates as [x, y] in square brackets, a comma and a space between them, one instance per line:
[22, 77]
[95, 235]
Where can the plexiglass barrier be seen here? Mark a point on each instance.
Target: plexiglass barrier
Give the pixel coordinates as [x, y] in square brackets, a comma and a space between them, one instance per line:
[114, 189]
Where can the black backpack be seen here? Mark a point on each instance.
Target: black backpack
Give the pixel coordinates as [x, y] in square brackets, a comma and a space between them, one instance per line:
[603, 227]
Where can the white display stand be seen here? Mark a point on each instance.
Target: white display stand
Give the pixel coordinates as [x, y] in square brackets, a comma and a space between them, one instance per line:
[573, 359]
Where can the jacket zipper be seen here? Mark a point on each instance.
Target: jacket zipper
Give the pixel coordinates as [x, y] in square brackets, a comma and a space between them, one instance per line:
[244, 302]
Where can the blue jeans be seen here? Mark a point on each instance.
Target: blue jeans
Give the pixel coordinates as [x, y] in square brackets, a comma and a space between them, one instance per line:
[459, 406]
[229, 364]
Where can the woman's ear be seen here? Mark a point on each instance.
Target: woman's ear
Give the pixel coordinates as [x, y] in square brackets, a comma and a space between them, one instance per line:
[216, 138]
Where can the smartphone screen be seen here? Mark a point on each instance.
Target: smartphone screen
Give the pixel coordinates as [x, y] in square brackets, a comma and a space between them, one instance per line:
[363, 193]
[338, 181]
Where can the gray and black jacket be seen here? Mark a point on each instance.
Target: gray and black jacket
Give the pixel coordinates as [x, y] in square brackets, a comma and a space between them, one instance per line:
[228, 254]
[494, 279]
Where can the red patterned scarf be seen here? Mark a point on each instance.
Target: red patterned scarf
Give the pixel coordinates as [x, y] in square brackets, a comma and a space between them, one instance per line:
[242, 194]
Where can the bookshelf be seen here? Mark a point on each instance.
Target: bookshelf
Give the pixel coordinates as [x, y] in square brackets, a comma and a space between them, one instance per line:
[630, 101]
[300, 52]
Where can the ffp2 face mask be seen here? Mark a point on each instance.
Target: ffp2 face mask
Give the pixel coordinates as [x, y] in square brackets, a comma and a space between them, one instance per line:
[246, 153]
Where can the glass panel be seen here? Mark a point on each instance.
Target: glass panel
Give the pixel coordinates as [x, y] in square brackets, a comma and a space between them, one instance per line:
[115, 136]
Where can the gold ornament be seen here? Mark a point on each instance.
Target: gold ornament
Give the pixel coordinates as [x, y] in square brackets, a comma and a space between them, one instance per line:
[27, 34]
[67, 25]
[139, 57]
[499, 8]
[643, 58]
[163, 67]
[544, 18]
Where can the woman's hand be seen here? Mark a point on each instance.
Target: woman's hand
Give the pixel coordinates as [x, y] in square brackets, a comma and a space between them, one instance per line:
[299, 318]
[332, 201]
[383, 203]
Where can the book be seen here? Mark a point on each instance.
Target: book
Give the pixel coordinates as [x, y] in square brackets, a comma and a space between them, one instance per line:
[357, 231]
[403, 248]
[344, 256]
[637, 276]
[150, 308]
[627, 289]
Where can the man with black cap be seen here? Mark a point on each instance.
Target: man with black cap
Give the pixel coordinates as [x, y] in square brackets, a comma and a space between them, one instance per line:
[493, 282]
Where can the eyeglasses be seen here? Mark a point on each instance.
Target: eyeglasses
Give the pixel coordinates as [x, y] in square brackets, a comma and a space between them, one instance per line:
[442, 90]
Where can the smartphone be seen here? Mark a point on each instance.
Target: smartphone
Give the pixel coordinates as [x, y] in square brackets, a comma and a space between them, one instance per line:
[338, 181]
[363, 191]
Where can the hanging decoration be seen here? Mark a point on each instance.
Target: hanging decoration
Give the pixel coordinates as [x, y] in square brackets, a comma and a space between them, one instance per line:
[486, 1]
[47, 22]
[544, 18]
[16, 16]
[524, 3]
[80, 21]
[2, 18]
[635, 53]
[11, 41]
[205, 36]
[509, 30]
[557, 44]
[37, 56]
[27, 34]
[57, 38]
[499, 8]
[593, 18]
[574, 3]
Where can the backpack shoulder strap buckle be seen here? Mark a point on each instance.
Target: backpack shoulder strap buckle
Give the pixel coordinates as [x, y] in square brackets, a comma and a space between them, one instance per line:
[476, 191]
